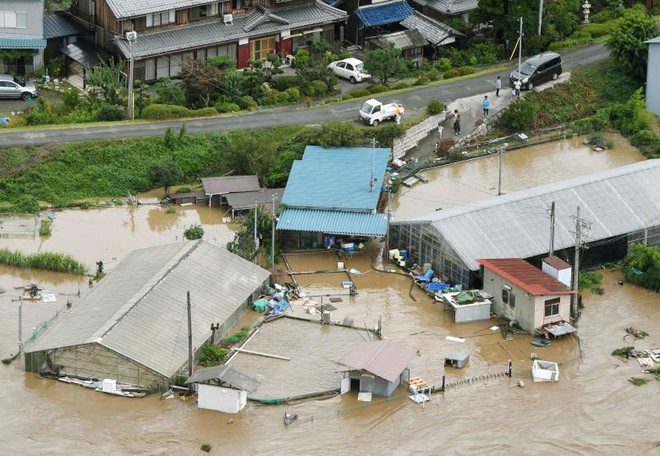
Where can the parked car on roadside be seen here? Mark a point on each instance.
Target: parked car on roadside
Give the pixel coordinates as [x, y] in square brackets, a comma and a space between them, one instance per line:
[535, 70]
[351, 69]
[13, 87]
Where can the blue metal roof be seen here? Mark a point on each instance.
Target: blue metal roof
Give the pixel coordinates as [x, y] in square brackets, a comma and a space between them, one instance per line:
[22, 43]
[384, 13]
[333, 222]
[337, 178]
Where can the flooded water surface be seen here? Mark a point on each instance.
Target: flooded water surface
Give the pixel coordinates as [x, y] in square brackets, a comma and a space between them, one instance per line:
[593, 409]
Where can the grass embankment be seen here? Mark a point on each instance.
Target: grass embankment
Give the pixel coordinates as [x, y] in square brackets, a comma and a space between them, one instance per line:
[597, 98]
[47, 261]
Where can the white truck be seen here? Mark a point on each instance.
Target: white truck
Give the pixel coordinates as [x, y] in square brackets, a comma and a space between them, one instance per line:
[374, 112]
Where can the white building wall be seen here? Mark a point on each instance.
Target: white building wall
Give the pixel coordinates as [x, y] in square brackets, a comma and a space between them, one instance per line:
[564, 310]
[221, 399]
[653, 79]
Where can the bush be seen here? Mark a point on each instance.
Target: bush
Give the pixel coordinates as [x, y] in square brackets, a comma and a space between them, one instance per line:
[596, 30]
[443, 65]
[226, 107]
[203, 112]
[464, 70]
[643, 138]
[247, 102]
[348, 96]
[283, 83]
[422, 80]
[357, 93]
[434, 107]
[109, 113]
[401, 85]
[432, 74]
[319, 88]
[193, 232]
[450, 74]
[641, 266]
[44, 228]
[294, 94]
[211, 355]
[71, 99]
[164, 111]
[378, 88]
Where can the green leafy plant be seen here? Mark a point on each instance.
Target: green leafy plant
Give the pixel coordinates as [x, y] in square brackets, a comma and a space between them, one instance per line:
[45, 260]
[211, 355]
[44, 228]
[194, 232]
[434, 107]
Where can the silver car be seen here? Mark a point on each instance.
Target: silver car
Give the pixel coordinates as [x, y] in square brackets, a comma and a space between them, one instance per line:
[13, 87]
[351, 69]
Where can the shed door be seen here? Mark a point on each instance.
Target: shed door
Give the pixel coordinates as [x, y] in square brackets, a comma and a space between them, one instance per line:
[367, 383]
[345, 385]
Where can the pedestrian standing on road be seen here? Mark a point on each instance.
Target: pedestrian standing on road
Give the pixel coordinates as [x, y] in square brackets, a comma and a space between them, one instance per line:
[498, 86]
[486, 105]
[457, 123]
[516, 87]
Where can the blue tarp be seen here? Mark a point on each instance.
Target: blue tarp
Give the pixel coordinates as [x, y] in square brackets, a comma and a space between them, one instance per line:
[280, 307]
[384, 13]
[437, 286]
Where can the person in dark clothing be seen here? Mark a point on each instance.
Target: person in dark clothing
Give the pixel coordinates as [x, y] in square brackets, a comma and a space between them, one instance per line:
[457, 123]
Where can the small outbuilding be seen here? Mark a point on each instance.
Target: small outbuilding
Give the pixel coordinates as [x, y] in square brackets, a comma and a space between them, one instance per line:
[222, 388]
[217, 188]
[557, 268]
[457, 360]
[376, 367]
[469, 305]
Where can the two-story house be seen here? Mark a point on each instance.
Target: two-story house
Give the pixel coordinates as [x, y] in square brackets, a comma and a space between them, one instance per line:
[22, 34]
[171, 32]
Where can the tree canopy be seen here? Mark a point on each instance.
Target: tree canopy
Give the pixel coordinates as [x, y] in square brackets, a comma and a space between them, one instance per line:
[627, 42]
[384, 64]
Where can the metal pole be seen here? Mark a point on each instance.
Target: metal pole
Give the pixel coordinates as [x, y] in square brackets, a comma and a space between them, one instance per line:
[576, 263]
[499, 177]
[386, 253]
[256, 237]
[540, 15]
[20, 325]
[272, 241]
[551, 251]
[190, 338]
[520, 33]
[130, 81]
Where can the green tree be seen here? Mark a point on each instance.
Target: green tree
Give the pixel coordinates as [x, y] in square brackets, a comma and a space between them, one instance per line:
[201, 82]
[336, 133]
[627, 42]
[165, 175]
[384, 64]
[641, 266]
[109, 77]
[170, 93]
[193, 232]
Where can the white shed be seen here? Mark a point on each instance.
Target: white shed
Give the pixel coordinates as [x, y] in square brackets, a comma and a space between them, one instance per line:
[222, 388]
[653, 76]
[557, 268]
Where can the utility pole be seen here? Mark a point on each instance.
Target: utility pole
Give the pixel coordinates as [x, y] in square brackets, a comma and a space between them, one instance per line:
[386, 252]
[499, 177]
[551, 250]
[190, 339]
[540, 15]
[581, 225]
[256, 237]
[520, 36]
[131, 37]
[20, 325]
[272, 241]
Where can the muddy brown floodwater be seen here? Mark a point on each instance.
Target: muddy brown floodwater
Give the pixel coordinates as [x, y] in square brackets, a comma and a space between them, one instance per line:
[592, 410]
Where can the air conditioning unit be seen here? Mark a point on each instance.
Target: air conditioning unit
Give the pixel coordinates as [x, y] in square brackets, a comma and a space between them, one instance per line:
[131, 36]
[228, 18]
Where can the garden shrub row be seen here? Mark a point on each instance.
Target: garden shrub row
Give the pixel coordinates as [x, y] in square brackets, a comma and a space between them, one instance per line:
[165, 111]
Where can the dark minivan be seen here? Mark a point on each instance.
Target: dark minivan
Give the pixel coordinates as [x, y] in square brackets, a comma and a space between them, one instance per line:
[538, 69]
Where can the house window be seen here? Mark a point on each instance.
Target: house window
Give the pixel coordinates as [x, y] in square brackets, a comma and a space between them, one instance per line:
[11, 19]
[552, 307]
[508, 297]
[140, 24]
[162, 18]
[261, 48]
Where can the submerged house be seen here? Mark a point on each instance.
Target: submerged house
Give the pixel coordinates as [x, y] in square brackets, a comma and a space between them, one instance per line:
[537, 302]
[335, 191]
[133, 325]
[376, 367]
[222, 388]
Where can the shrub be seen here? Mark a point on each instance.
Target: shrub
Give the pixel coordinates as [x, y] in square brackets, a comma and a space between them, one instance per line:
[450, 74]
[443, 65]
[641, 266]
[401, 85]
[26, 204]
[348, 96]
[226, 107]
[357, 93]
[378, 88]
[643, 138]
[319, 88]
[282, 83]
[462, 71]
[434, 107]
[432, 74]
[203, 112]
[294, 94]
[211, 355]
[164, 111]
[44, 228]
[282, 97]
[40, 113]
[594, 30]
[193, 232]
[109, 113]
[247, 102]
[71, 99]
[422, 80]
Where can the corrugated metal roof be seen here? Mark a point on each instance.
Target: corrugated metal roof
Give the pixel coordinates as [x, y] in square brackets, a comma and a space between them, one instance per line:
[59, 26]
[526, 276]
[435, 32]
[139, 308]
[230, 184]
[22, 43]
[383, 13]
[405, 39]
[123, 9]
[85, 53]
[227, 375]
[337, 178]
[617, 201]
[216, 32]
[384, 358]
[264, 197]
[333, 222]
[453, 7]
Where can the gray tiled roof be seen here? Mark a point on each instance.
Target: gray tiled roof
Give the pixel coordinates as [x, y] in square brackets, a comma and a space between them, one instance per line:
[435, 32]
[123, 9]
[221, 185]
[58, 26]
[452, 7]
[209, 33]
[405, 39]
[139, 309]
[260, 15]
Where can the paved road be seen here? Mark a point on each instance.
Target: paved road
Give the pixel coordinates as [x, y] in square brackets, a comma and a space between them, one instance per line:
[415, 102]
